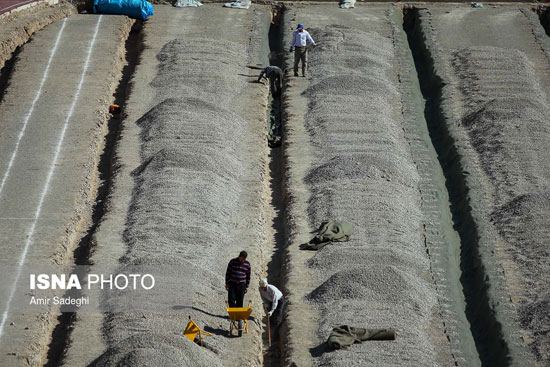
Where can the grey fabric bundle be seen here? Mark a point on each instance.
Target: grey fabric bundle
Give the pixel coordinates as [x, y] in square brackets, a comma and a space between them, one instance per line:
[344, 336]
[329, 232]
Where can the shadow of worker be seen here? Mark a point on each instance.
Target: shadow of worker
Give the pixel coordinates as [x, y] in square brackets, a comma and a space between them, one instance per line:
[319, 350]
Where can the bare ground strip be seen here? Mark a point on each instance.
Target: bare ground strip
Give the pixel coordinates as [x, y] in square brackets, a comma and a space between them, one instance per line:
[5, 72]
[61, 334]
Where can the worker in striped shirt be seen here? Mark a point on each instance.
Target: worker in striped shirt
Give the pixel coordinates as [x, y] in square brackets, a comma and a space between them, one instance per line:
[237, 279]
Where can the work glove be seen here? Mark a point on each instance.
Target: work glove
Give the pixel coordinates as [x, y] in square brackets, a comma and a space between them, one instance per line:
[291, 49]
[270, 313]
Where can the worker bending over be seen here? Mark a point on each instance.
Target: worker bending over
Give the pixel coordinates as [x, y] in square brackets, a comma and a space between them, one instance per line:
[275, 76]
[273, 301]
[237, 279]
[300, 40]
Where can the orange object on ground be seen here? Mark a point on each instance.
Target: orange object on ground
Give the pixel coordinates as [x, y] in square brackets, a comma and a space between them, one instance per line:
[114, 109]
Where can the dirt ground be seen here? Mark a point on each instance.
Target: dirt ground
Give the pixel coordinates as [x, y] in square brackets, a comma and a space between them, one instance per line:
[424, 126]
[19, 27]
[49, 155]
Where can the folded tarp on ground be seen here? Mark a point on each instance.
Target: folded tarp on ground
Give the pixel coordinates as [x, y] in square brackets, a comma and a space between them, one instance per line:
[137, 9]
[187, 3]
[344, 336]
[346, 4]
[245, 4]
[329, 232]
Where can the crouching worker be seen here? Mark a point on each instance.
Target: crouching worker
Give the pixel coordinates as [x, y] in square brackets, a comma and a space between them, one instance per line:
[275, 76]
[273, 301]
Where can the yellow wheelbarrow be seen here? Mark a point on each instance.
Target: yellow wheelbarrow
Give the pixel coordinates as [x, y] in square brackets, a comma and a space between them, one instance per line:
[192, 330]
[238, 317]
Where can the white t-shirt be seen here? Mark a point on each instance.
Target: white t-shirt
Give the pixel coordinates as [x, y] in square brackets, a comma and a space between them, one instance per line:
[271, 295]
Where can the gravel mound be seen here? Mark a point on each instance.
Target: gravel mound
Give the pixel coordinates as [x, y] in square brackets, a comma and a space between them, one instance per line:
[364, 51]
[376, 283]
[186, 202]
[363, 166]
[190, 163]
[156, 350]
[188, 68]
[356, 255]
[363, 173]
[523, 222]
[348, 85]
[535, 316]
[506, 117]
[507, 122]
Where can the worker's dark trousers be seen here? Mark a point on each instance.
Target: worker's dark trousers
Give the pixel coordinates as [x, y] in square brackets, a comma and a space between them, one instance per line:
[277, 316]
[276, 85]
[235, 294]
[300, 53]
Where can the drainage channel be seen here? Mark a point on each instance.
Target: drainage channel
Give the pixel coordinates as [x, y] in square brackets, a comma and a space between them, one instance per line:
[544, 17]
[61, 334]
[276, 211]
[485, 328]
[5, 72]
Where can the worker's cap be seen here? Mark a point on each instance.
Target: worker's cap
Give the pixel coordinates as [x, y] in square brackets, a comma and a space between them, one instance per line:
[300, 26]
[263, 283]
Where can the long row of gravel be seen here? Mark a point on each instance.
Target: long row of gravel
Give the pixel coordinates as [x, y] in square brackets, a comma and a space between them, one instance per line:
[362, 171]
[190, 195]
[496, 89]
[186, 193]
[507, 122]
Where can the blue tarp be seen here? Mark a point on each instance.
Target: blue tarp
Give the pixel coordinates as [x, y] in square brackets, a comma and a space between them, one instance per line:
[137, 9]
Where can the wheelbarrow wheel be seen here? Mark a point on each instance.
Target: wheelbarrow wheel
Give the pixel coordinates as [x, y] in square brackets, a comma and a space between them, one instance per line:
[241, 326]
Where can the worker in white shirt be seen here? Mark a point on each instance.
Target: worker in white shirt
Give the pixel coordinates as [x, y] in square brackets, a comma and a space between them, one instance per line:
[300, 40]
[273, 301]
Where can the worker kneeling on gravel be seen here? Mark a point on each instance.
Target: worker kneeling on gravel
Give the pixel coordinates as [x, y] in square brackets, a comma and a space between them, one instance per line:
[237, 279]
[300, 40]
[275, 76]
[273, 301]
